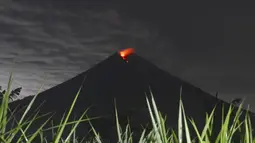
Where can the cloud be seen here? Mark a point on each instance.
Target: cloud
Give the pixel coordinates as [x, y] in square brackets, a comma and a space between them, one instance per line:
[60, 43]
[8, 20]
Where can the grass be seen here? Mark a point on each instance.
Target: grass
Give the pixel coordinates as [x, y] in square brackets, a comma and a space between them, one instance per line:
[159, 133]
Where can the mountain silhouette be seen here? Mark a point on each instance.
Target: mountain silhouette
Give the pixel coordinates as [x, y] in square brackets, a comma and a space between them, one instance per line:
[126, 83]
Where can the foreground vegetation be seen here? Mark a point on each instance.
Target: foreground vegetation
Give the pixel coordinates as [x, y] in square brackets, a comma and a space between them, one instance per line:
[158, 134]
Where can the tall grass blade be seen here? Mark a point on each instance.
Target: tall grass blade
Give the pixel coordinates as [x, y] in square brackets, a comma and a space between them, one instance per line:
[75, 126]
[60, 132]
[188, 139]
[180, 126]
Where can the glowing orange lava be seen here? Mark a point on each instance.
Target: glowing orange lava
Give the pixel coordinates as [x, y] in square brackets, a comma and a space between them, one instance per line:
[126, 52]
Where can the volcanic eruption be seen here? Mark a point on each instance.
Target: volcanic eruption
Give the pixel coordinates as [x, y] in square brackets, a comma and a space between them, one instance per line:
[126, 52]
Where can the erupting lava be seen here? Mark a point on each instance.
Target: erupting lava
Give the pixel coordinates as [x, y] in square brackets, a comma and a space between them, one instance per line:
[126, 52]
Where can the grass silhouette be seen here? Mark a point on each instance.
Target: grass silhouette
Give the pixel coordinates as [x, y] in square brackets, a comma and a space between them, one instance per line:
[159, 133]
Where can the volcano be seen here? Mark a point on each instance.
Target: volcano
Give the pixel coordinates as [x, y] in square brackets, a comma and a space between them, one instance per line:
[114, 79]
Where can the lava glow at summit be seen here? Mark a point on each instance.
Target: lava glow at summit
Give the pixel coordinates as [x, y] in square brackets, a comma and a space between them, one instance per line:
[126, 52]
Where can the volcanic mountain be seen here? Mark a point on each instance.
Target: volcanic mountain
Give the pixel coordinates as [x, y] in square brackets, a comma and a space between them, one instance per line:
[126, 81]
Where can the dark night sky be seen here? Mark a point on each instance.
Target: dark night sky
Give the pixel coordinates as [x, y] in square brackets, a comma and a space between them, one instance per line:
[210, 46]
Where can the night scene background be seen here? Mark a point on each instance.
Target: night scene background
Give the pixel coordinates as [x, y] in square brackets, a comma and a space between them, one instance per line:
[52, 41]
